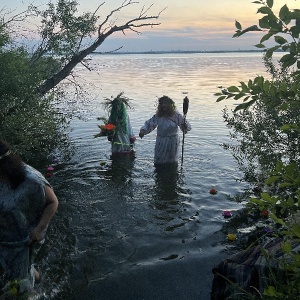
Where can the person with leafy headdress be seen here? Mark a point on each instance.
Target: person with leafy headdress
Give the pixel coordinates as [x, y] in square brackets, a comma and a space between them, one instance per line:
[123, 139]
[167, 120]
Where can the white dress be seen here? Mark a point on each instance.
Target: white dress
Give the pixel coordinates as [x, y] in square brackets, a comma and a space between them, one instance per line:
[167, 139]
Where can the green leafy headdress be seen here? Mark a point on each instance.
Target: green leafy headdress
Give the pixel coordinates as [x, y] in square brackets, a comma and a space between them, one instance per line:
[117, 110]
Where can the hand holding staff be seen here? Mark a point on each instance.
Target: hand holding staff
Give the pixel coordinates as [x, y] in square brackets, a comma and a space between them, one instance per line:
[185, 110]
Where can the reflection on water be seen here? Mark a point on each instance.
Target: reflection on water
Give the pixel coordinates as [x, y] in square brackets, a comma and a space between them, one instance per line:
[166, 182]
[166, 200]
[170, 199]
[120, 169]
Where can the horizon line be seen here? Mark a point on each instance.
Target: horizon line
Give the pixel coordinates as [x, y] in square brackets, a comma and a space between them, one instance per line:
[174, 51]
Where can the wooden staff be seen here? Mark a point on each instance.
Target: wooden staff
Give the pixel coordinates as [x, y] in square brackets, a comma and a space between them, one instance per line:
[185, 110]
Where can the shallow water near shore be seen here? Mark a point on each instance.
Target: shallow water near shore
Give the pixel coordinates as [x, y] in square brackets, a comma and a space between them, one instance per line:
[125, 230]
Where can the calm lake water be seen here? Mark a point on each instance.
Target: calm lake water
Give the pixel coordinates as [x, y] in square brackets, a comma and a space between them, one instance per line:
[124, 231]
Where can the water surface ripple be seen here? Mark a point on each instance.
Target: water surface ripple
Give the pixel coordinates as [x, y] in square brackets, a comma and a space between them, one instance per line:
[123, 230]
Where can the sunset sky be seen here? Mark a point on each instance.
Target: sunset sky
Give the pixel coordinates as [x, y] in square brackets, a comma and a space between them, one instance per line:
[185, 24]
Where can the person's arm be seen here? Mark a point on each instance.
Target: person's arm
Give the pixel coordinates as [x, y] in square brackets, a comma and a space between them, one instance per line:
[48, 213]
[149, 126]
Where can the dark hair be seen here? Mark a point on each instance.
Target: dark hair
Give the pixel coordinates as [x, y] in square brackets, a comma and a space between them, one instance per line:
[166, 107]
[11, 166]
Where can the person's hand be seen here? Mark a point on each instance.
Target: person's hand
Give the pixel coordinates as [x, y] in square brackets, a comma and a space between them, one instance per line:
[184, 128]
[141, 134]
[35, 235]
[132, 139]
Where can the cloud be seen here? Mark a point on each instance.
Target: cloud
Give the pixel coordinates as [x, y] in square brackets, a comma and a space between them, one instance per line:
[185, 24]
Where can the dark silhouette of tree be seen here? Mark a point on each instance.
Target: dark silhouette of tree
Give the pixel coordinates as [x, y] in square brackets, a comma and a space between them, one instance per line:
[65, 35]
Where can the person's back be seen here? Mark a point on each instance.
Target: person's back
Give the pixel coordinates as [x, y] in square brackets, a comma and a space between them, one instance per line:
[167, 120]
[123, 139]
[27, 204]
[21, 208]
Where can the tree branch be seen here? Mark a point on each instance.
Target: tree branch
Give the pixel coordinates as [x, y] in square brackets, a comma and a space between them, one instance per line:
[79, 56]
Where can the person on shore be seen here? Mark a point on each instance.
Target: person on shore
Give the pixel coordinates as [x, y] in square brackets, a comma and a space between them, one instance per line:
[167, 120]
[123, 139]
[27, 205]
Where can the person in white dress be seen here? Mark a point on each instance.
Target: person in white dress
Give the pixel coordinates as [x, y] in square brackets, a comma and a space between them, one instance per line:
[167, 120]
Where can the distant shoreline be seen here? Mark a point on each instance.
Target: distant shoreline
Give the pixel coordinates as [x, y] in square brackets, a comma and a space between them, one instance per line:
[180, 52]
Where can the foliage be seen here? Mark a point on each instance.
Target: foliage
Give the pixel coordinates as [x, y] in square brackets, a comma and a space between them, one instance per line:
[15, 289]
[266, 129]
[28, 121]
[62, 32]
[261, 134]
[285, 30]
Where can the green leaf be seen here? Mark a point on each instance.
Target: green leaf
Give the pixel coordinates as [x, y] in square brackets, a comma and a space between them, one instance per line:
[279, 166]
[295, 13]
[237, 33]
[245, 105]
[233, 89]
[284, 106]
[266, 37]
[287, 247]
[221, 98]
[290, 62]
[270, 3]
[266, 196]
[238, 25]
[256, 201]
[272, 91]
[293, 48]
[280, 40]
[284, 12]
[285, 184]
[238, 96]
[270, 51]
[265, 10]
[266, 86]
[286, 57]
[291, 168]
[291, 202]
[295, 30]
[283, 86]
[250, 83]
[260, 46]
[264, 22]
[270, 291]
[244, 87]
[272, 179]
[296, 230]
[259, 80]
[277, 220]
[288, 127]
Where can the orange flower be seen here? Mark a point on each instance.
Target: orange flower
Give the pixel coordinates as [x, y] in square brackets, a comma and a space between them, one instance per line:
[102, 127]
[110, 127]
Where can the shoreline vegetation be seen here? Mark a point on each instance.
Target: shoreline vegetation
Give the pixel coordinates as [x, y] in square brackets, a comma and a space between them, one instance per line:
[181, 52]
